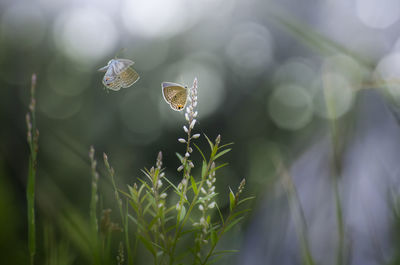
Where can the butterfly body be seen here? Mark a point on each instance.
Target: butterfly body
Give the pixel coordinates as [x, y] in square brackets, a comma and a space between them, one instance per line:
[119, 74]
[175, 95]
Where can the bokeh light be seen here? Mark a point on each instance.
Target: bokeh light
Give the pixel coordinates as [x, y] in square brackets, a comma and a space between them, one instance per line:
[84, 35]
[334, 96]
[290, 107]
[23, 25]
[388, 71]
[378, 13]
[152, 18]
[250, 51]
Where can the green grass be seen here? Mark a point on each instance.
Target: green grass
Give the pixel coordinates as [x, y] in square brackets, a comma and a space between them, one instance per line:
[32, 138]
[176, 223]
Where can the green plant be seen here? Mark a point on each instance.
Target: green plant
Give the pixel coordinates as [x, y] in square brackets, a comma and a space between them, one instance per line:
[163, 221]
[33, 139]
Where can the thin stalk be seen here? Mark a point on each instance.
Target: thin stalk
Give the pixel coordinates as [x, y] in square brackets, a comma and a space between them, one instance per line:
[336, 171]
[119, 202]
[295, 205]
[188, 213]
[93, 209]
[32, 138]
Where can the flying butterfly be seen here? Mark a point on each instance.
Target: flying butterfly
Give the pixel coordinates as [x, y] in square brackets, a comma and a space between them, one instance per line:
[119, 74]
[175, 95]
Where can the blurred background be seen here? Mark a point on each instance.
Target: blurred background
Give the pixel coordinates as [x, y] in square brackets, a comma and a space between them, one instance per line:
[307, 90]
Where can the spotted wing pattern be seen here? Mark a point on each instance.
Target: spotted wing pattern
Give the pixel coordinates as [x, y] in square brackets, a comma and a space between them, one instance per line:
[175, 95]
[128, 77]
[179, 100]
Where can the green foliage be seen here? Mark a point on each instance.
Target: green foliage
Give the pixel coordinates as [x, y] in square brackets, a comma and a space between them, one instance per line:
[33, 139]
[176, 223]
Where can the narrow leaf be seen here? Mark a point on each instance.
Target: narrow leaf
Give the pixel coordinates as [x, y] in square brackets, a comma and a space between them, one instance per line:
[231, 199]
[214, 237]
[194, 186]
[210, 143]
[222, 153]
[182, 213]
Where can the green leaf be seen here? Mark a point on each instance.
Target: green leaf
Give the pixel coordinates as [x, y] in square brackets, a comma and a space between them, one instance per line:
[246, 199]
[147, 244]
[220, 214]
[194, 186]
[232, 224]
[201, 153]
[210, 143]
[221, 166]
[182, 213]
[231, 199]
[172, 185]
[224, 252]
[180, 157]
[204, 169]
[214, 237]
[225, 145]
[222, 153]
[147, 174]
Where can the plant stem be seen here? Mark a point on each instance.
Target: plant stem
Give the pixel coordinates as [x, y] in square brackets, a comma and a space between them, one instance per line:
[32, 138]
[203, 178]
[336, 170]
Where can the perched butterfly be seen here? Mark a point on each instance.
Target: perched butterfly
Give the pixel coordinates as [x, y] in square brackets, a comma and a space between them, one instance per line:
[175, 95]
[119, 74]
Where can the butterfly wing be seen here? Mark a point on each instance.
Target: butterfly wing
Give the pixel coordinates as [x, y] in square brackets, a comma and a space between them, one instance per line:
[120, 65]
[103, 69]
[178, 102]
[128, 77]
[169, 92]
[175, 95]
[111, 81]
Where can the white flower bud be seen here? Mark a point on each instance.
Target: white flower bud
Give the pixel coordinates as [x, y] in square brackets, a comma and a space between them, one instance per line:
[163, 195]
[211, 205]
[159, 184]
[184, 182]
[191, 164]
[190, 149]
[209, 184]
[187, 116]
[195, 114]
[192, 124]
[203, 190]
[181, 140]
[187, 154]
[185, 129]
[180, 168]
[195, 136]
[160, 205]
[162, 175]
[178, 206]
[201, 208]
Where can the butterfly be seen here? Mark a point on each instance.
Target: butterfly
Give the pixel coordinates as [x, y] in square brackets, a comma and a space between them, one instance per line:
[175, 95]
[119, 74]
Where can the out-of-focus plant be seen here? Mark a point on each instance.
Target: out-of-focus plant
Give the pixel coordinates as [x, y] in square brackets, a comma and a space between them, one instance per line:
[177, 224]
[33, 139]
[164, 222]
